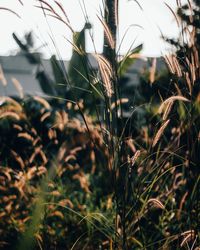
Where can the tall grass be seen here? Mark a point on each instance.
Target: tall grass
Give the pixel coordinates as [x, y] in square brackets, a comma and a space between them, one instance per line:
[113, 186]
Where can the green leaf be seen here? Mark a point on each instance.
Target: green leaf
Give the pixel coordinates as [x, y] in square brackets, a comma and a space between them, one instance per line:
[128, 60]
[59, 76]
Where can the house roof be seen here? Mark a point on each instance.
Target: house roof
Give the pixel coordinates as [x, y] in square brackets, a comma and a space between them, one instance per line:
[19, 68]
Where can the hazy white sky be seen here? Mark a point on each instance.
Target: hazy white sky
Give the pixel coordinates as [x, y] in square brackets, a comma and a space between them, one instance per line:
[154, 17]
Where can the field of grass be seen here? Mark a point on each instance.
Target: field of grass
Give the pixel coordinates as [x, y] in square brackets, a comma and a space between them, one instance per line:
[105, 169]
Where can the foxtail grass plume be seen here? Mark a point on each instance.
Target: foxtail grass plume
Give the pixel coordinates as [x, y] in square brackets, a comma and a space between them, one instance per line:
[156, 203]
[18, 159]
[119, 102]
[171, 99]
[10, 114]
[42, 101]
[160, 132]
[2, 77]
[106, 73]
[153, 71]
[108, 33]
[135, 157]
[18, 87]
[188, 236]
[168, 108]
[25, 136]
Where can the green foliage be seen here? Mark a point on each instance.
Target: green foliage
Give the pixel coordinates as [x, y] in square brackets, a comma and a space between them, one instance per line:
[60, 79]
[80, 71]
[128, 60]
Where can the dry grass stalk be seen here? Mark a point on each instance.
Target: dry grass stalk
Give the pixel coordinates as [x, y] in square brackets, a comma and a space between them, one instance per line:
[190, 76]
[188, 81]
[18, 159]
[51, 134]
[11, 11]
[188, 232]
[131, 145]
[56, 214]
[48, 5]
[190, 5]
[174, 14]
[119, 102]
[66, 202]
[2, 77]
[178, 3]
[59, 121]
[160, 132]
[11, 102]
[168, 108]
[63, 10]
[39, 240]
[108, 33]
[25, 136]
[10, 114]
[173, 65]
[60, 19]
[176, 66]
[196, 58]
[18, 87]
[45, 6]
[153, 71]
[106, 73]
[31, 173]
[31, 159]
[42, 101]
[135, 157]
[43, 156]
[81, 177]
[38, 151]
[181, 205]
[45, 116]
[169, 64]
[18, 127]
[75, 47]
[189, 235]
[20, 1]
[6, 172]
[156, 203]
[171, 99]
[116, 12]
[193, 69]
[41, 170]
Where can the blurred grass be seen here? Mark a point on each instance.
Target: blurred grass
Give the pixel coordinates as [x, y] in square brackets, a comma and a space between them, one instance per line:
[70, 180]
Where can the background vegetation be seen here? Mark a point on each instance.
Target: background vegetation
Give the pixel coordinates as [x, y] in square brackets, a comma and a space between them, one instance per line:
[95, 165]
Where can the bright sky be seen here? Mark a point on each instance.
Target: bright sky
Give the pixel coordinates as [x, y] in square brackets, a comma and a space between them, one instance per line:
[154, 19]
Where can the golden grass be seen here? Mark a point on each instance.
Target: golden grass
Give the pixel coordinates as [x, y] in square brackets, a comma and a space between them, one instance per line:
[160, 133]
